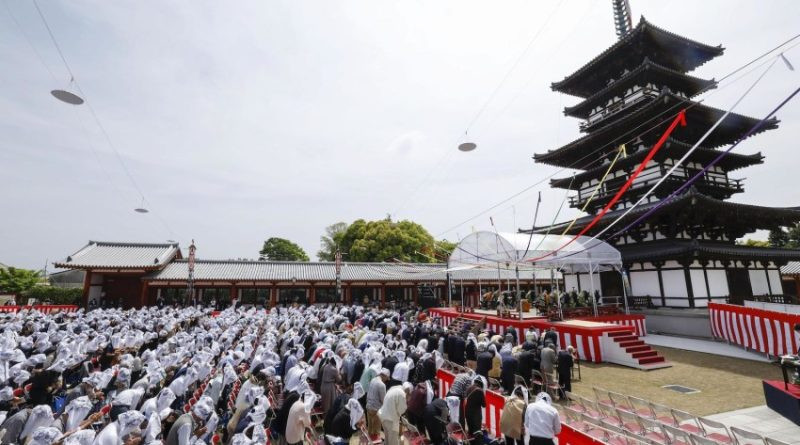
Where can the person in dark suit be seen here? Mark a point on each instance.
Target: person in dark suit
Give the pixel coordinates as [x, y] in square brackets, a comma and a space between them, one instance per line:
[458, 346]
[484, 361]
[473, 411]
[551, 336]
[565, 363]
[437, 416]
[507, 372]
[526, 365]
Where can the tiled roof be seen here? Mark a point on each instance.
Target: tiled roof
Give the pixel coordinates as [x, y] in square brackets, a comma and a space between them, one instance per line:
[791, 268]
[115, 255]
[238, 270]
[673, 249]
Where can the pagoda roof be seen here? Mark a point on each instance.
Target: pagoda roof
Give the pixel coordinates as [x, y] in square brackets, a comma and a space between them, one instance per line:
[699, 118]
[647, 72]
[645, 40]
[700, 206]
[121, 255]
[672, 148]
[675, 249]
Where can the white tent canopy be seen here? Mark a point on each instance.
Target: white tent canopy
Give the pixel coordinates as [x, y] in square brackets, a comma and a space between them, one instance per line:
[512, 250]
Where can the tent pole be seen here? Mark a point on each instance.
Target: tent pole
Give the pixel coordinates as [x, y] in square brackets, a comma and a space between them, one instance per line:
[624, 291]
[591, 284]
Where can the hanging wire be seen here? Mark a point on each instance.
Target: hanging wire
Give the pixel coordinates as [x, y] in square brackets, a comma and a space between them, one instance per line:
[102, 128]
[591, 154]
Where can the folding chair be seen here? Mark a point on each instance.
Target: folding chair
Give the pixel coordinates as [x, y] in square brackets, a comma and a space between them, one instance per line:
[663, 414]
[456, 433]
[686, 422]
[412, 435]
[631, 422]
[520, 381]
[744, 437]
[602, 397]
[573, 418]
[716, 431]
[676, 436]
[700, 440]
[770, 441]
[609, 415]
[551, 385]
[592, 409]
[641, 407]
[537, 381]
[620, 401]
[653, 431]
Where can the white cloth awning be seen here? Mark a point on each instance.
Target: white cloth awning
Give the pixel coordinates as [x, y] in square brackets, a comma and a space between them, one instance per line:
[526, 252]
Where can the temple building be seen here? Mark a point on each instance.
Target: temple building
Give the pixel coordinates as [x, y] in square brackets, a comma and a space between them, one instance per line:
[685, 254]
[121, 274]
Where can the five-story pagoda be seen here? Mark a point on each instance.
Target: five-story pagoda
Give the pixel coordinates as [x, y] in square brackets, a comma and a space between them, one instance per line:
[684, 255]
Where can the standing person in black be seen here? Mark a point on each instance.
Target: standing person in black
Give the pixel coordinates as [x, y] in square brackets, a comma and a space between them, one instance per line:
[508, 371]
[457, 348]
[471, 350]
[437, 416]
[473, 411]
[565, 363]
[484, 361]
[551, 336]
[525, 365]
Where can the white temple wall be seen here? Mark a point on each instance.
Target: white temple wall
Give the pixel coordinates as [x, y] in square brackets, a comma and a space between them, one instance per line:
[758, 281]
[645, 283]
[570, 281]
[698, 283]
[717, 283]
[675, 286]
[775, 281]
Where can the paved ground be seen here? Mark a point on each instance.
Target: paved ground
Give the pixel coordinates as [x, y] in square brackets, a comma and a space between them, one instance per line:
[707, 346]
[725, 383]
[761, 420]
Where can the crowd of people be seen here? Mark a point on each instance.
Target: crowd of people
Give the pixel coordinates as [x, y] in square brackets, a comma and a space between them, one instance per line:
[246, 376]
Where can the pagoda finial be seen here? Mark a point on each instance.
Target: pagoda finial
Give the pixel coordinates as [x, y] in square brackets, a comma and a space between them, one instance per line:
[622, 17]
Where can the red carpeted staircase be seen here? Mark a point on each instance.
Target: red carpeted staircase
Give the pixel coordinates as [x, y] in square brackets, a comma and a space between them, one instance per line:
[629, 350]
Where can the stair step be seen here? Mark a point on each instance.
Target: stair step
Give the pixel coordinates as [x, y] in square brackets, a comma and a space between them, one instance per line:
[646, 360]
[643, 354]
[632, 349]
[623, 338]
[618, 333]
[627, 344]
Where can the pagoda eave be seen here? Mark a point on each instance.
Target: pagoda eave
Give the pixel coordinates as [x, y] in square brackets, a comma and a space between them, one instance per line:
[666, 48]
[646, 72]
[682, 250]
[638, 123]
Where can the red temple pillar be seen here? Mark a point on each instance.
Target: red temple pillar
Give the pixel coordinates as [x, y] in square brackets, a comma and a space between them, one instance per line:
[797, 285]
[143, 295]
[312, 295]
[87, 284]
[415, 293]
[383, 295]
[273, 297]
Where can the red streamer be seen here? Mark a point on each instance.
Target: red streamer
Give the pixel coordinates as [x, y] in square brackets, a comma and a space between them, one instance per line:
[679, 119]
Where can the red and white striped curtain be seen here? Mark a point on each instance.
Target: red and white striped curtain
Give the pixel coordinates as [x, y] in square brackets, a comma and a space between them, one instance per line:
[764, 331]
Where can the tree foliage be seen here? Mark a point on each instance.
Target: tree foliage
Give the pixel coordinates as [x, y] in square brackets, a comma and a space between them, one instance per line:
[787, 237]
[52, 295]
[331, 240]
[15, 281]
[753, 243]
[386, 240]
[280, 249]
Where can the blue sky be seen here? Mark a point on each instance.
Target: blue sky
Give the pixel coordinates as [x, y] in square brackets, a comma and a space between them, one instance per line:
[250, 119]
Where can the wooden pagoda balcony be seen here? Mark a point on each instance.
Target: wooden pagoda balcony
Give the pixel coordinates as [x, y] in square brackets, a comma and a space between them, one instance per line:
[720, 188]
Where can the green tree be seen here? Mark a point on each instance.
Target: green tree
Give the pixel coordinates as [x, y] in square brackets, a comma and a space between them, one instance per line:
[331, 240]
[387, 240]
[15, 280]
[753, 243]
[280, 249]
[788, 237]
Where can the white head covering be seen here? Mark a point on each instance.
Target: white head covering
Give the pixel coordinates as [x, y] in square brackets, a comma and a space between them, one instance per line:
[356, 412]
[309, 400]
[524, 391]
[454, 403]
[77, 410]
[82, 437]
[44, 436]
[41, 415]
[163, 402]
[128, 421]
[358, 390]
[428, 392]
[203, 408]
[544, 396]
